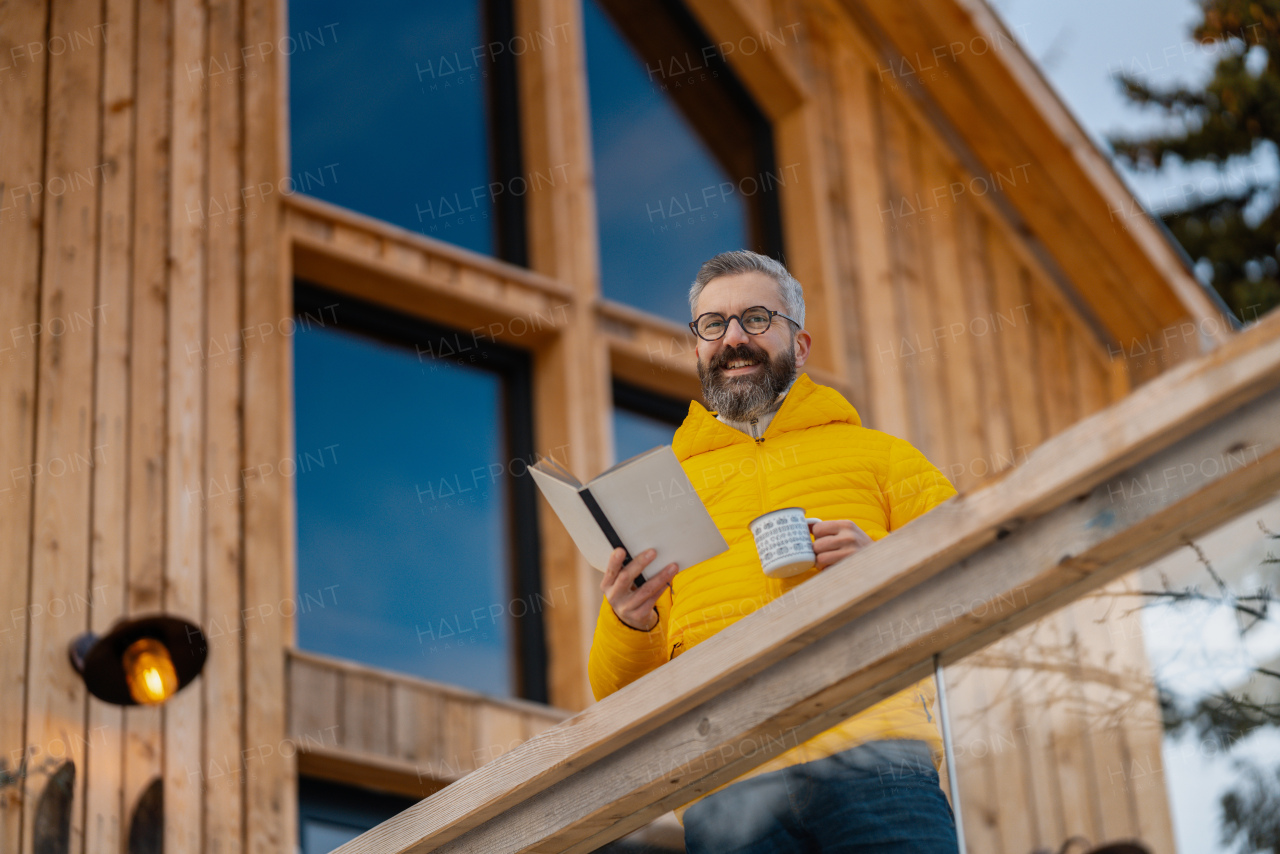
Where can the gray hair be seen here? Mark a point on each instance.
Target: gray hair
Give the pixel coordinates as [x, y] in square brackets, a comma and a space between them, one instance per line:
[746, 261]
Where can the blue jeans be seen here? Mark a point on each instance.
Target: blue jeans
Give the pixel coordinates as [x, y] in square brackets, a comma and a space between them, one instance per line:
[881, 797]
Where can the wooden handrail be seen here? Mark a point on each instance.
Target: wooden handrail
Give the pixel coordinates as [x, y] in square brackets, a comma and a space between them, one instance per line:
[1125, 486]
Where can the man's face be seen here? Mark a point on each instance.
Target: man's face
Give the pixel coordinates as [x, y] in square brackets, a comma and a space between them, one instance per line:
[774, 356]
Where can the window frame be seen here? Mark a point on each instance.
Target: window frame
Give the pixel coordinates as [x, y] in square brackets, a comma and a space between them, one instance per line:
[644, 401]
[339, 803]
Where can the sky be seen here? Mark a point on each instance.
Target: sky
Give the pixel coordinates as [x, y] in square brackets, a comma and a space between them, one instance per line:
[1080, 46]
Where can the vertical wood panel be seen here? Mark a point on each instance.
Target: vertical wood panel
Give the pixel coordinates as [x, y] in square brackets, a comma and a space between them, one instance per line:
[1072, 750]
[185, 423]
[1072, 746]
[1100, 619]
[366, 714]
[417, 722]
[914, 344]
[147, 367]
[62, 481]
[499, 730]
[1008, 759]
[104, 823]
[1029, 701]
[981, 796]
[458, 736]
[1057, 377]
[836, 203]
[563, 245]
[1143, 773]
[1016, 342]
[963, 418]
[1012, 344]
[977, 280]
[313, 698]
[223, 672]
[863, 128]
[807, 232]
[270, 793]
[21, 161]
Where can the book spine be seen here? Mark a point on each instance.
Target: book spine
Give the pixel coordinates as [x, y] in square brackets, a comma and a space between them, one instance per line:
[607, 529]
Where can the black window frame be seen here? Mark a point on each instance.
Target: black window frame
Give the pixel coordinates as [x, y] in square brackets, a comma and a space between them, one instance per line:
[515, 367]
[644, 401]
[506, 149]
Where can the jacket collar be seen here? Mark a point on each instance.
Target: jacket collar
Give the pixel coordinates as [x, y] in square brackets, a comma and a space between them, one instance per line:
[807, 404]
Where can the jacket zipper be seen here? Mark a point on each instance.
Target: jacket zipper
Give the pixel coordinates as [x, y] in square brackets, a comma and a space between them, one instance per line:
[758, 439]
[678, 644]
[764, 488]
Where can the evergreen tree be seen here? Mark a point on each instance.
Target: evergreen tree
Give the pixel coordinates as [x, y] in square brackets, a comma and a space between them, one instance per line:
[1235, 115]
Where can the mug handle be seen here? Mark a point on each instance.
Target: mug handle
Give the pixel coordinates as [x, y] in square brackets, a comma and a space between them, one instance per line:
[809, 520]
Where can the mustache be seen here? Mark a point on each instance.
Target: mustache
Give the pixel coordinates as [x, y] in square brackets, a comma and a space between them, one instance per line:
[744, 351]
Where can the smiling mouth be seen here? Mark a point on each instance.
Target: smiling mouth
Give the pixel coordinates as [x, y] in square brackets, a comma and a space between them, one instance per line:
[735, 367]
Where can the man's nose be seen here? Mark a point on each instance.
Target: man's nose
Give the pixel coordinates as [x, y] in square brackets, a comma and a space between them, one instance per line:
[735, 335]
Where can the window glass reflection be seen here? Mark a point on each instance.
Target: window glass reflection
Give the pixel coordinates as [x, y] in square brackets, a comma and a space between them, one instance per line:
[643, 419]
[405, 548]
[392, 115]
[634, 433]
[683, 161]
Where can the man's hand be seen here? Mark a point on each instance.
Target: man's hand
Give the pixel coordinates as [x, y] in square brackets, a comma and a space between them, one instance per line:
[836, 539]
[635, 606]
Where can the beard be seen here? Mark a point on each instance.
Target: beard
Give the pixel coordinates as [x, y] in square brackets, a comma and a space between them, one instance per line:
[751, 395]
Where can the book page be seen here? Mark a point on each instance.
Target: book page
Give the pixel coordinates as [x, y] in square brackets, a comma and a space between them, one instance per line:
[567, 503]
[627, 462]
[651, 504]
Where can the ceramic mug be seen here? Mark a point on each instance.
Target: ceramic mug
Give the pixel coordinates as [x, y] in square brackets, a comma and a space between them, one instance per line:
[784, 542]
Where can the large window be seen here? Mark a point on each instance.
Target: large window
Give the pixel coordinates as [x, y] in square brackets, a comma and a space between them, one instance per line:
[417, 538]
[407, 112]
[684, 163]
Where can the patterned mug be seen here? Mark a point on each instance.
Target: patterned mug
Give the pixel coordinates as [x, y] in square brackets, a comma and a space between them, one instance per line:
[784, 541]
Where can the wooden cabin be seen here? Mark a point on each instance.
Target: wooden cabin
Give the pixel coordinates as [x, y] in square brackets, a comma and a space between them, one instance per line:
[228, 227]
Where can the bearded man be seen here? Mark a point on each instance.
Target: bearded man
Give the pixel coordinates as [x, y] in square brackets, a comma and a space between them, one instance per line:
[772, 440]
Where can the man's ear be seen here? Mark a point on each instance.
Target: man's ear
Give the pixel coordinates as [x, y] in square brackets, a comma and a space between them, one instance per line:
[803, 341]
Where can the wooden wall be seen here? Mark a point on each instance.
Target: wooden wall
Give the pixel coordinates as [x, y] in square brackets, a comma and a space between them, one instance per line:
[129, 385]
[118, 131]
[965, 342]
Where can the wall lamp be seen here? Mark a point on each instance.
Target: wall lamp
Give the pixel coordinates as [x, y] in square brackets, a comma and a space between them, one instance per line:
[142, 661]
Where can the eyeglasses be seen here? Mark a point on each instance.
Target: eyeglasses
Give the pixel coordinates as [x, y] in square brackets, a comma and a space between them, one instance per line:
[712, 326]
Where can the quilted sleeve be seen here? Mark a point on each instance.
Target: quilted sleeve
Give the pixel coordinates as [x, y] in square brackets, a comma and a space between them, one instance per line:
[914, 485]
[620, 654]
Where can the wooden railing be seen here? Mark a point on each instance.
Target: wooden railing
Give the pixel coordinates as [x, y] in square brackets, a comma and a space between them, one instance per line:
[1180, 455]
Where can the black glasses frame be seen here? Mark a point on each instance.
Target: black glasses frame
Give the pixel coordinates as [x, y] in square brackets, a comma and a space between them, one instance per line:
[693, 324]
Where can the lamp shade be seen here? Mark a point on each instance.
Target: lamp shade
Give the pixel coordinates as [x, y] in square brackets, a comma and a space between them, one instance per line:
[140, 649]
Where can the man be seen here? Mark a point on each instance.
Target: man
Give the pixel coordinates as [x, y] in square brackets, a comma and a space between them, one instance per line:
[772, 440]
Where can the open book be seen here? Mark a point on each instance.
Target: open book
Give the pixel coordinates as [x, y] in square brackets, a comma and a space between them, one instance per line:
[646, 502]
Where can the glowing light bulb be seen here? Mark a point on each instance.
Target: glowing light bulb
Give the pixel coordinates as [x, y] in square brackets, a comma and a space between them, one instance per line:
[149, 671]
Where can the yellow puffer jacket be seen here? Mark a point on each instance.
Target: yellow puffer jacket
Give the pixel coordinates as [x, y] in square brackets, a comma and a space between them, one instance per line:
[817, 455]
